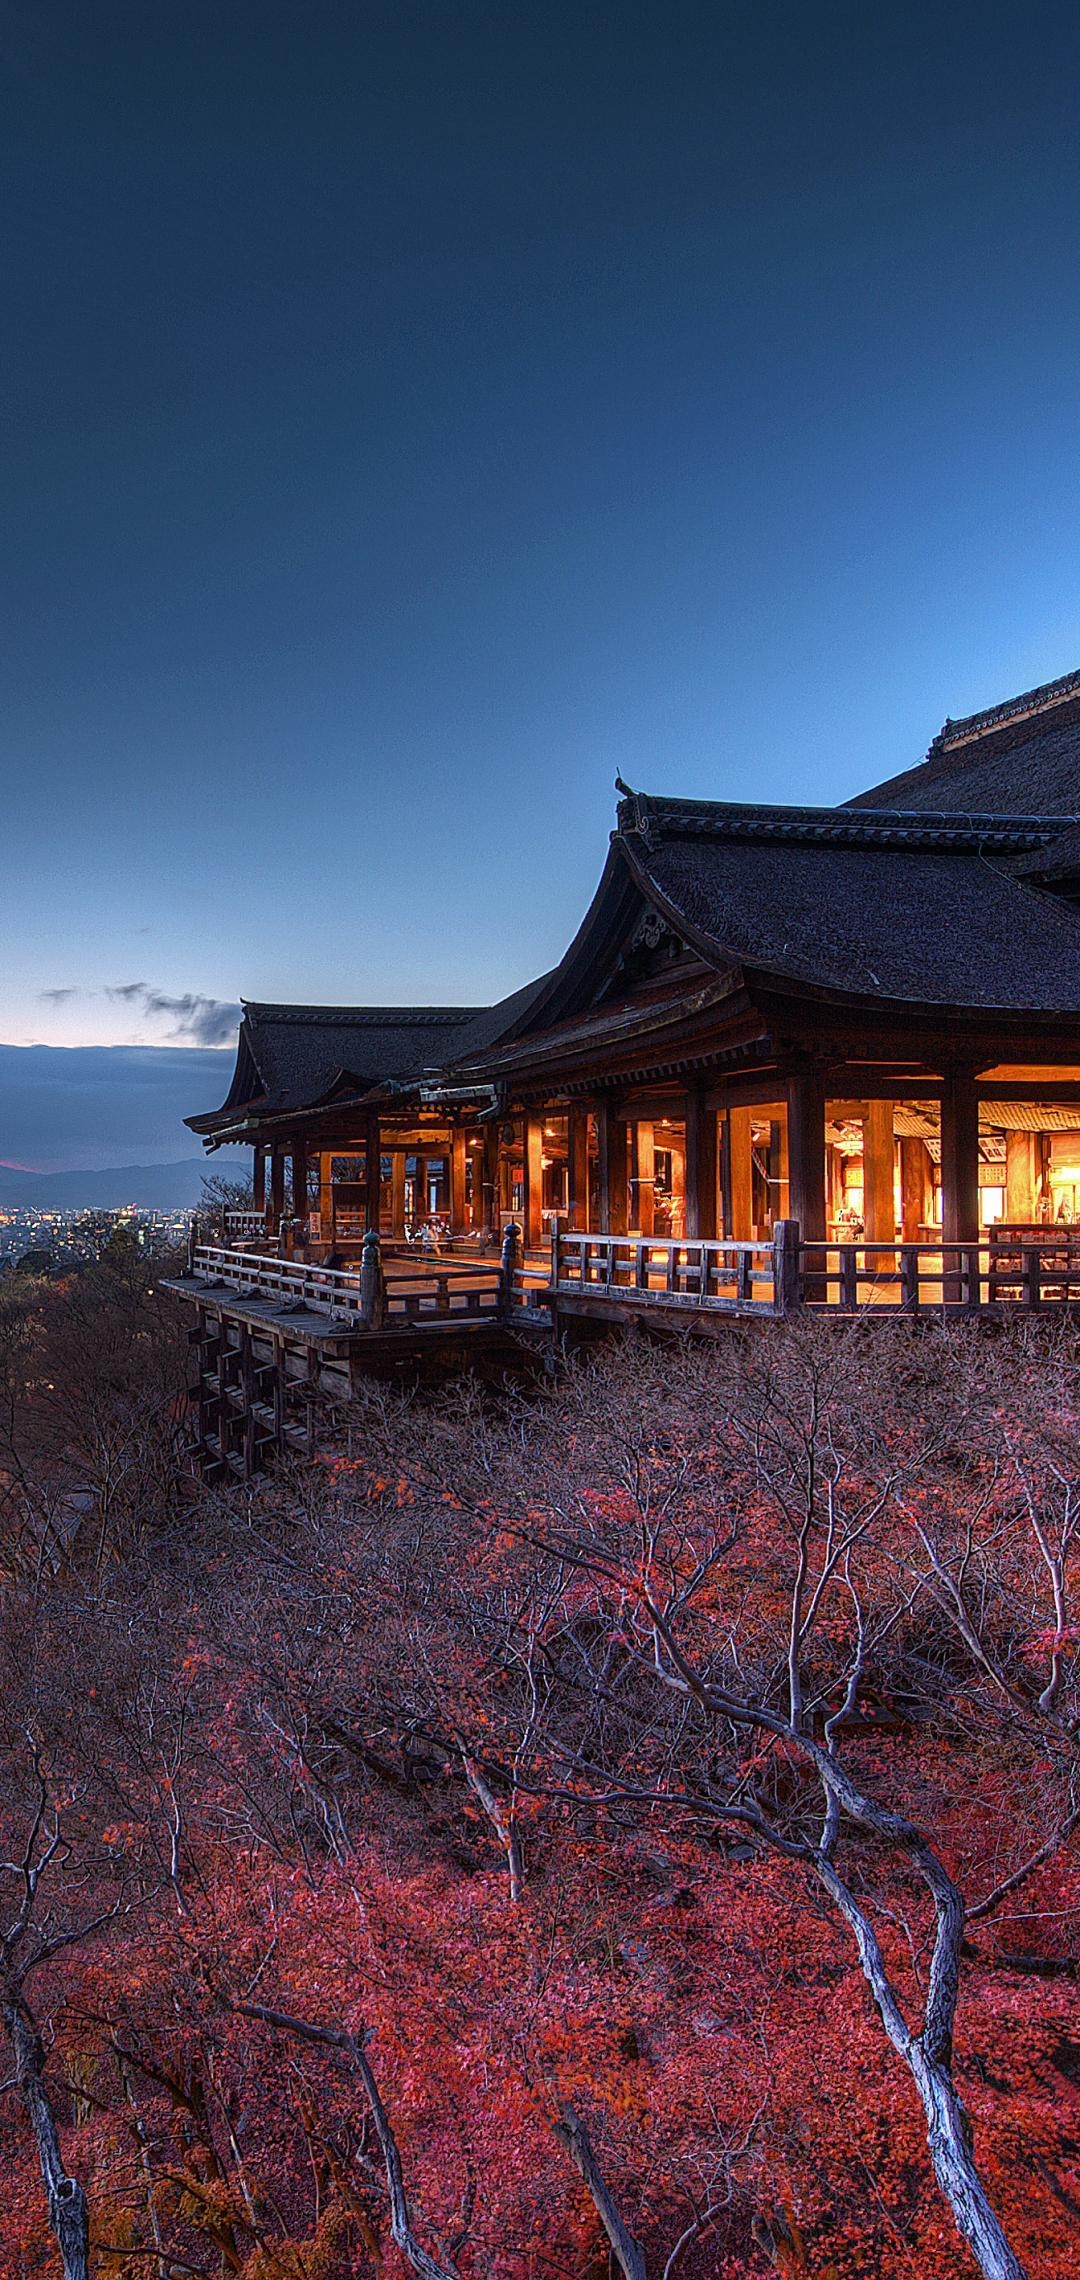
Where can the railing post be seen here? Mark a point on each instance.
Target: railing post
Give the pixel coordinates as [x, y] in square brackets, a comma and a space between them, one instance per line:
[555, 1260]
[909, 1278]
[372, 1282]
[785, 1266]
[192, 1242]
[1032, 1275]
[513, 1251]
[972, 1277]
[847, 1260]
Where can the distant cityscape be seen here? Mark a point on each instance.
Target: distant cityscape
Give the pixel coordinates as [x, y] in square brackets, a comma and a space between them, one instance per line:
[55, 1241]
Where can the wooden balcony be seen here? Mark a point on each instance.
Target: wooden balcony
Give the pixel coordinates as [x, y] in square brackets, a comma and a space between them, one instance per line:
[412, 1291]
[278, 1338]
[613, 1276]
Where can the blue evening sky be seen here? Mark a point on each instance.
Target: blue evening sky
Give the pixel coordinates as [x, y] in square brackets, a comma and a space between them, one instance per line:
[414, 413]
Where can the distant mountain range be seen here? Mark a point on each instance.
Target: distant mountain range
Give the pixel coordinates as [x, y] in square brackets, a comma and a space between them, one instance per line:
[153, 1187]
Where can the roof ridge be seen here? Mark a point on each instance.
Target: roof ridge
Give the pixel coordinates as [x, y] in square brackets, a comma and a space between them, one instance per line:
[854, 826]
[363, 1016]
[954, 733]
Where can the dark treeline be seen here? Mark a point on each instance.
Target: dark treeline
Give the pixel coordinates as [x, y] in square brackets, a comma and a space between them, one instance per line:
[628, 1829]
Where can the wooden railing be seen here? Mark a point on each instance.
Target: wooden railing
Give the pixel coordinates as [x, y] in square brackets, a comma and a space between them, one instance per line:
[364, 1297]
[728, 1277]
[1028, 1267]
[901, 1278]
[1011, 1266]
[245, 1226]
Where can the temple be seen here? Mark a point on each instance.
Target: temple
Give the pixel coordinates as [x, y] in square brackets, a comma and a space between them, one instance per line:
[856, 1027]
[861, 1018]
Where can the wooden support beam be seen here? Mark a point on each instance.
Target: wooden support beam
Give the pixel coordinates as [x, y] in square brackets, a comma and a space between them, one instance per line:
[577, 1149]
[1020, 1178]
[397, 1194]
[326, 1196]
[489, 1179]
[916, 1189]
[806, 1153]
[299, 1182]
[725, 1173]
[960, 1157]
[702, 1167]
[420, 1191]
[277, 1189]
[879, 1198]
[611, 1143]
[372, 1172]
[458, 1214]
[643, 1215]
[258, 1179]
[534, 1178]
[779, 1179]
[740, 1124]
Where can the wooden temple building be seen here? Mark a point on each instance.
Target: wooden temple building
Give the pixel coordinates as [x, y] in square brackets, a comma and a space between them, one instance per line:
[860, 1025]
[865, 1019]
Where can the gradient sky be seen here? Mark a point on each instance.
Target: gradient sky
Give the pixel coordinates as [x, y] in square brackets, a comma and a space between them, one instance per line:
[414, 413]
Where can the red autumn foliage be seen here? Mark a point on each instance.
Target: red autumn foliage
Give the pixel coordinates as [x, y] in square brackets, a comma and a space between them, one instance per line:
[459, 1847]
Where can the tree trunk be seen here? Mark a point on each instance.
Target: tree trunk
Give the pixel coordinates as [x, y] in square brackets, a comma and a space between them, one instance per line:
[66, 2200]
[949, 2139]
[628, 2252]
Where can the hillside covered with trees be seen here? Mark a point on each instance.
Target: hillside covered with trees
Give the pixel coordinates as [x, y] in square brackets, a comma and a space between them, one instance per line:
[622, 1825]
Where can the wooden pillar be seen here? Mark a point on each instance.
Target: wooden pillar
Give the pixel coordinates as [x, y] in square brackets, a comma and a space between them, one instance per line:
[277, 1189]
[879, 1195]
[915, 1188]
[806, 1154]
[577, 1151]
[458, 1214]
[420, 1191]
[372, 1172]
[644, 1191]
[299, 1182]
[725, 1174]
[258, 1180]
[397, 1194]
[611, 1142]
[678, 1184]
[326, 1197]
[740, 1121]
[1020, 1178]
[476, 1190]
[489, 1179]
[960, 1157]
[834, 1180]
[534, 1179]
[702, 1166]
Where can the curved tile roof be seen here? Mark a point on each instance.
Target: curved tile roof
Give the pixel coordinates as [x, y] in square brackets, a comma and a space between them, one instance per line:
[295, 1056]
[865, 913]
[1022, 757]
[300, 1056]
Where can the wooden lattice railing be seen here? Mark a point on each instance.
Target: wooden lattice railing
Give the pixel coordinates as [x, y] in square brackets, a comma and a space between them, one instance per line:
[363, 1297]
[1027, 1267]
[742, 1278]
[1012, 1266]
[245, 1226]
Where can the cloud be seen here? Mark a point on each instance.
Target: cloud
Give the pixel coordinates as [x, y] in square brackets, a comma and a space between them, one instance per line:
[58, 997]
[205, 1020]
